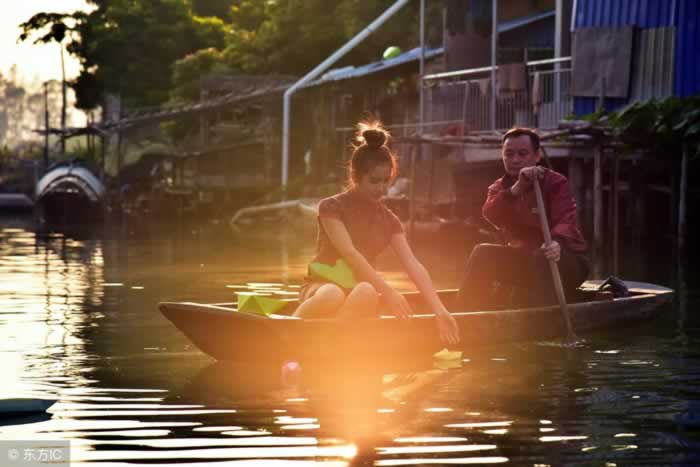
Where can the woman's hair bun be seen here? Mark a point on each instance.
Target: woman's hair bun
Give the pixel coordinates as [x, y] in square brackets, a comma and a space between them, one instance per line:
[375, 138]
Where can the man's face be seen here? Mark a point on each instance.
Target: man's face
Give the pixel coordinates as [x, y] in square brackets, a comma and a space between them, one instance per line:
[517, 152]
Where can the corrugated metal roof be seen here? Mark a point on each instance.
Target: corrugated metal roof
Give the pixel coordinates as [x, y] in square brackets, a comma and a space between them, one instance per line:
[524, 21]
[610, 13]
[682, 15]
[349, 72]
[686, 70]
[534, 31]
[652, 72]
[414, 54]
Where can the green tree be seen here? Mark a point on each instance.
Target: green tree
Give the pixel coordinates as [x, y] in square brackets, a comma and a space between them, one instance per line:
[218, 8]
[151, 50]
[293, 36]
[128, 47]
[188, 71]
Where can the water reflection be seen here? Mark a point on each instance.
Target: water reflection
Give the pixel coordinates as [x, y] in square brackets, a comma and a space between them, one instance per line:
[47, 285]
[80, 324]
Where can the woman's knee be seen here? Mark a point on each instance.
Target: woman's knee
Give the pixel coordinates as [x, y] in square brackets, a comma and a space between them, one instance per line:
[362, 301]
[331, 294]
[365, 289]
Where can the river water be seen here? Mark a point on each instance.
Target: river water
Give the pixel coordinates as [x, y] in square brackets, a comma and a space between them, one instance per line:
[79, 323]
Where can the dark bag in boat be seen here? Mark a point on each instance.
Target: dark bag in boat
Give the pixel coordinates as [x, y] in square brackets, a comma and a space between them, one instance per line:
[616, 286]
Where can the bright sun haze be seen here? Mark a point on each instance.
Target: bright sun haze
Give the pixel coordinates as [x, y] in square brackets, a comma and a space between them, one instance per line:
[40, 62]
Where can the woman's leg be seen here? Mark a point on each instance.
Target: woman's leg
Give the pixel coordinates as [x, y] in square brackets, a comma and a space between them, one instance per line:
[323, 302]
[362, 302]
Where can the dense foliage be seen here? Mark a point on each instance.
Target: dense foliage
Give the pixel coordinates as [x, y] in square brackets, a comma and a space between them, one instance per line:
[151, 50]
[127, 47]
[660, 127]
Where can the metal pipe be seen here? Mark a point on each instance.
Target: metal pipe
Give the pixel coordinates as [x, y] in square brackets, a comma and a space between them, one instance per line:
[421, 97]
[323, 66]
[494, 46]
[473, 71]
[421, 119]
[547, 61]
[558, 31]
[418, 147]
[400, 126]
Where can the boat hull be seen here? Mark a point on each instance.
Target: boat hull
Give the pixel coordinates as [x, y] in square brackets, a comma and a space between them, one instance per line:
[228, 335]
[69, 194]
[24, 406]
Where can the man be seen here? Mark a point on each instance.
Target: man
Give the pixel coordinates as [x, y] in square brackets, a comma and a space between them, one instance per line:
[511, 206]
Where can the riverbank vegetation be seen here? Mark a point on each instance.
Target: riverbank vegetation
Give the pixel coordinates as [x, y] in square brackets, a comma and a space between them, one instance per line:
[661, 128]
[151, 52]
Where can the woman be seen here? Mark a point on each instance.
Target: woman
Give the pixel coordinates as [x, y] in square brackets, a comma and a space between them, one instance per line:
[354, 227]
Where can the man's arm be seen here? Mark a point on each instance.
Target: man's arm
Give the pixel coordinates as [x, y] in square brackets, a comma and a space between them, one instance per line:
[499, 205]
[562, 215]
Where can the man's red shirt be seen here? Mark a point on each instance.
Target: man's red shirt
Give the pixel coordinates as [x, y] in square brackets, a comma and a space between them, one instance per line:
[517, 216]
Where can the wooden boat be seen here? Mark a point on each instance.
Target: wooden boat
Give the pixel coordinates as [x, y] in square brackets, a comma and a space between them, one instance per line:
[226, 334]
[69, 193]
[24, 406]
[15, 202]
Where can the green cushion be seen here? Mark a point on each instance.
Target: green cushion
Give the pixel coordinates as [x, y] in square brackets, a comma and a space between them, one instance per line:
[340, 274]
[258, 304]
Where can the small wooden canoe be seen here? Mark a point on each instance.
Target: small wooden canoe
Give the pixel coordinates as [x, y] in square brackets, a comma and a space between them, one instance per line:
[13, 407]
[226, 334]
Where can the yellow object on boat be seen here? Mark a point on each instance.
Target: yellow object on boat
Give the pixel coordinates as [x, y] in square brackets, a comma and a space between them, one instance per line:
[446, 359]
[340, 273]
[258, 304]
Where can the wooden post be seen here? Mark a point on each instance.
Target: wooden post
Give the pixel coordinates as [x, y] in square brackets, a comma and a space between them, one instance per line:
[682, 196]
[103, 156]
[431, 182]
[597, 210]
[674, 185]
[598, 255]
[203, 141]
[610, 209]
[615, 194]
[412, 192]
[46, 125]
[64, 104]
[120, 144]
[682, 300]
[465, 104]
[637, 189]
[575, 176]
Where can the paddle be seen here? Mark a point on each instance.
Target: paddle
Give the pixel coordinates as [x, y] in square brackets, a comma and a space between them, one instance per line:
[558, 287]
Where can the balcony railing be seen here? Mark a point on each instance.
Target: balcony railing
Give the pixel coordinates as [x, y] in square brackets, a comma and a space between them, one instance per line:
[540, 97]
